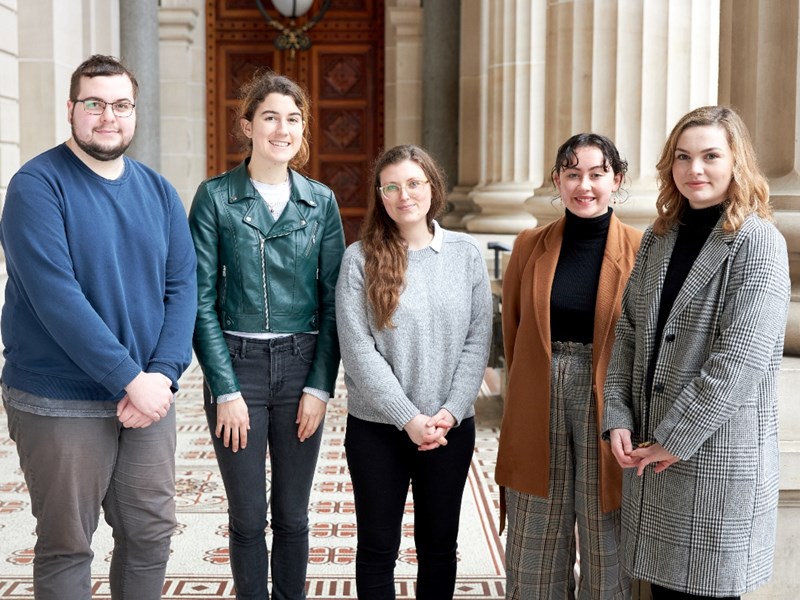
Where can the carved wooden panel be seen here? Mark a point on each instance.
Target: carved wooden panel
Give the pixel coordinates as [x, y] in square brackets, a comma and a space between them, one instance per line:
[343, 72]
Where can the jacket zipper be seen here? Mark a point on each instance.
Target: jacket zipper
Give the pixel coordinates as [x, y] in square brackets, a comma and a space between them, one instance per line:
[224, 284]
[313, 239]
[264, 283]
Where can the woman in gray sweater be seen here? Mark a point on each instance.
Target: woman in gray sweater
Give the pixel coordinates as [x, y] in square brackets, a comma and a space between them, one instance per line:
[414, 317]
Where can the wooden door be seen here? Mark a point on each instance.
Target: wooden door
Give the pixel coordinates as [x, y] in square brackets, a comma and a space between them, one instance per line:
[342, 71]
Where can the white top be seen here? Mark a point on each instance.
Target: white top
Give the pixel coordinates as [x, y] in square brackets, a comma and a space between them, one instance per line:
[275, 195]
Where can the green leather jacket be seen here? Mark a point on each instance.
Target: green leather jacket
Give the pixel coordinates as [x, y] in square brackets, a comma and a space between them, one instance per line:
[255, 274]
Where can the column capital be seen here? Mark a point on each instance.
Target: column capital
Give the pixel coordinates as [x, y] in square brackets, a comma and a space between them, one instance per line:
[406, 20]
[177, 24]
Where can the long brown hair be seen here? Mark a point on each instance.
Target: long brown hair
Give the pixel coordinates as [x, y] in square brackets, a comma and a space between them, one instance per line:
[385, 252]
[748, 191]
[263, 83]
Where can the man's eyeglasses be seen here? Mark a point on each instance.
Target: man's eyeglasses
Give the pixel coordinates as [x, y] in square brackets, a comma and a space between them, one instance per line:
[393, 191]
[121, 108]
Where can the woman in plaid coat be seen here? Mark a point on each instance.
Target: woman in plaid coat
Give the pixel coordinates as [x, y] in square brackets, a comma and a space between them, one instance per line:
[691, 393]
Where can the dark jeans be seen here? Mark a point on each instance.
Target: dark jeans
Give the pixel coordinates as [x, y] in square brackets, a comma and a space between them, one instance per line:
[271, 375]
[383, 461]
[662, 593]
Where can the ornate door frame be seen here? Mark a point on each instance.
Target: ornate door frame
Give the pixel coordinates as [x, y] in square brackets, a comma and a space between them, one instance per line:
[343, 72]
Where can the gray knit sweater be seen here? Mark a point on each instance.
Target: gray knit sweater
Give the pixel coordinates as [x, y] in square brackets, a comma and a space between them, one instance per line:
[436, 355]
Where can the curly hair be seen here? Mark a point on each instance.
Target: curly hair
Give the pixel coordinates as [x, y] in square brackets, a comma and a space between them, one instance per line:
[99, 65]
[385, 252]
[566, 157]
[252, 93]
[748, 191]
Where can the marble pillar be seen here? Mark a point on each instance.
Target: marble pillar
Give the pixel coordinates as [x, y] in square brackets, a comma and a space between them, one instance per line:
[763, 87]
[512, 120]
[403, 74]
[183, 94]
[139, 52]
[472, 95]
[759, 75]
[627, 70]
[51, 46]
[440, 75]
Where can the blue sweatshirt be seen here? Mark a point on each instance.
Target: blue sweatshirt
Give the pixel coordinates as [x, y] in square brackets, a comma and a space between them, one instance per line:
[101, 279]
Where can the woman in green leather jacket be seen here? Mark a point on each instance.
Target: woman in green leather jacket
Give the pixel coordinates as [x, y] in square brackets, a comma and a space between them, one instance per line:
[269, 242]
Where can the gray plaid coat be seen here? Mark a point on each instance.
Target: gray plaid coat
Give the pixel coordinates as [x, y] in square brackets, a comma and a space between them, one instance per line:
[706, 525]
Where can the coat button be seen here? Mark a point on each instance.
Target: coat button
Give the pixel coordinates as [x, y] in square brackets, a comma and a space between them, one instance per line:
[248, 219]
[302, 222]
[659, 387]
[670, 337]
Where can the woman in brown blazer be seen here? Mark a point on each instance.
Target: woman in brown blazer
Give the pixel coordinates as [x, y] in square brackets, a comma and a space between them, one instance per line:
[561, 298]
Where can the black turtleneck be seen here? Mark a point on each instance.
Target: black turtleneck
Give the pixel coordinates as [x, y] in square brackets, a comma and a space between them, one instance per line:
[574, 293]
[696, 225]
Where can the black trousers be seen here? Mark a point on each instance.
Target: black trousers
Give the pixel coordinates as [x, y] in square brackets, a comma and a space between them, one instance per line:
[383, 461]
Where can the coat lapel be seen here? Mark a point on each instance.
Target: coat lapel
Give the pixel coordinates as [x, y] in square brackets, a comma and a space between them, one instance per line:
[257, 215]
[292, 218]
[609, 289]
[712, 257]
[544, 269]
[653, 276]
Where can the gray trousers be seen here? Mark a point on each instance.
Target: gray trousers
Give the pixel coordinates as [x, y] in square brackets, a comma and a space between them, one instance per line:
[73, 466]
[541, 545]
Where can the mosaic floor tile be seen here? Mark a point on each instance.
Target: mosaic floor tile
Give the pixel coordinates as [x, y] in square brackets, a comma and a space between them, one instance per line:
[199, 564]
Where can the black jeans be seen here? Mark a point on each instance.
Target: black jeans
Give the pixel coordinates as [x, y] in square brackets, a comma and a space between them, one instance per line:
[662, 593]
[271, 374]
[383, 461]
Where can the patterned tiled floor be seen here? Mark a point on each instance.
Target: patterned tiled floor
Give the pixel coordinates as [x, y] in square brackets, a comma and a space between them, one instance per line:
[198, 568]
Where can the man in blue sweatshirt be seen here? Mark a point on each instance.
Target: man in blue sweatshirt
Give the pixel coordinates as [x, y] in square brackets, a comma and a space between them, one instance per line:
[97, 326]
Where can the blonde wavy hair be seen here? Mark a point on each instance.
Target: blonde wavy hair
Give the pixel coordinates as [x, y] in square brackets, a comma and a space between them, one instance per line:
[748, 191]
[385, 252]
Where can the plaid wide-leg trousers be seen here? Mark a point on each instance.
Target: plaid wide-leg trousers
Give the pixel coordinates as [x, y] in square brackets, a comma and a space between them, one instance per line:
[541, 544]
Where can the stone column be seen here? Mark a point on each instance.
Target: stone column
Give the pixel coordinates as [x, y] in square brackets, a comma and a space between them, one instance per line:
[627, 70]
[763, 88]
[440, 82]
[183, 96]
[101, 27]
[403, 75]
[759, 75]
[9, 95]
[472, 96]
[50, 48]
[139, 49]
[512, 120]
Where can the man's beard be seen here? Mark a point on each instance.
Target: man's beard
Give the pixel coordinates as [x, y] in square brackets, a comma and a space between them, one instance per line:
[99, 152]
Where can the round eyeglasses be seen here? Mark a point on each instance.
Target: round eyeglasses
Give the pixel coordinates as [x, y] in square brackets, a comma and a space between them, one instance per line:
[121, 108]
[393, 191]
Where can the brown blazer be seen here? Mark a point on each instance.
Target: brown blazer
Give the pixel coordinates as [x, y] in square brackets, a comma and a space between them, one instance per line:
[523, 457]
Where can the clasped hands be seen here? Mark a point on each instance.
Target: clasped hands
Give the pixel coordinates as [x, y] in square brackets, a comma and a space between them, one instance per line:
[429, 433]
[148, 399]
[638, 458]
